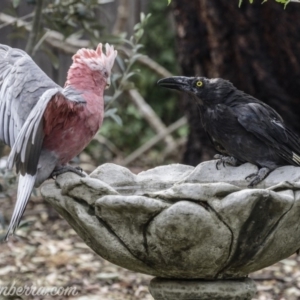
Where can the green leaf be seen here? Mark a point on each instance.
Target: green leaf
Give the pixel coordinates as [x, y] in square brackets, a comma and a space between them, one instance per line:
[129, 75]
[107, 98]
[285, 2]
[16, 3]
[121, 64]
[137, 26]
[169, 2]
[139, 34]
[111, 113]
[77, 35]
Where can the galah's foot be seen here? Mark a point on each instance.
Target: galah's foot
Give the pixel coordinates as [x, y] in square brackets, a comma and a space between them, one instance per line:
[64, 169]
[225, 160]
[258, 177]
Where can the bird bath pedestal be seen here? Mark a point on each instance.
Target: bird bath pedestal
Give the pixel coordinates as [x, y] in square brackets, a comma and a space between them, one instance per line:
[200, 231]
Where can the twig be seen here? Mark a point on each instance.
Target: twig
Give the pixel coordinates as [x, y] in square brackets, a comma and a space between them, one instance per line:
[148, 62]
[111, 146]
[35, 28]
[13, 21]
[148, 145]
[154, 66]
[39, 43]
[151, 117]
[179, 143]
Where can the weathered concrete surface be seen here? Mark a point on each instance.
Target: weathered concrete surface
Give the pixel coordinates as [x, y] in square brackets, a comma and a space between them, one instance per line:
[155, 179]
[164, 289]
[177, 221]
[206, 173]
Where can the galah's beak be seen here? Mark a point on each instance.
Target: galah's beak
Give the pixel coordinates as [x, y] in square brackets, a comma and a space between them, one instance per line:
[108, 82]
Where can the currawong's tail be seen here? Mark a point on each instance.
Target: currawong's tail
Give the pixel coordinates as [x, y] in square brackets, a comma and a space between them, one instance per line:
[26, 184]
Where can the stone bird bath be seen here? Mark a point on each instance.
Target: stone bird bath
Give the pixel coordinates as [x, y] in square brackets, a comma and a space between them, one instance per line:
[199, 231]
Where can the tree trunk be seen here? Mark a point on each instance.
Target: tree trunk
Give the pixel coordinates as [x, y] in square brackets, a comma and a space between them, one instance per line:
[256, 47]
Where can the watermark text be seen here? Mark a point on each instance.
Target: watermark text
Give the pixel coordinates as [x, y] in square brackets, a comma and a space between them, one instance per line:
[32, 290]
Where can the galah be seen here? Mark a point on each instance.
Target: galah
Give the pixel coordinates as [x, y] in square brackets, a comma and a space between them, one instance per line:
[47, 125]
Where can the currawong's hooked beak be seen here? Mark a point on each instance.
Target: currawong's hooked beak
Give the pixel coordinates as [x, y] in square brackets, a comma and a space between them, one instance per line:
[180, 83]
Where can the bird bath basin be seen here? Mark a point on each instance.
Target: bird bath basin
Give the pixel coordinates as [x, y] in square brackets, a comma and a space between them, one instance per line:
[201, 231]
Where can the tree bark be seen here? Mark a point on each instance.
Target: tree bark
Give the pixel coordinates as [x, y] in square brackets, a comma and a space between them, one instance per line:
[256, 47]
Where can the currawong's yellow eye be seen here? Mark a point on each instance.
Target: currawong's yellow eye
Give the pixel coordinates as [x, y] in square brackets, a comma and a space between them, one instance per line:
[199, 83]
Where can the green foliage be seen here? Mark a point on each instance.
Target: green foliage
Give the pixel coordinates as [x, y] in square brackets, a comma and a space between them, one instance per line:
[285, 2]
[159, 44]
[76, 18]
[16, 3]
[68, 16]
[122, 81]
[158, 41]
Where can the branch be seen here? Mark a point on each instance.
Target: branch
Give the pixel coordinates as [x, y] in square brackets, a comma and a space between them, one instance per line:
[179, 143]
[148, 62]
[148, 145]
[13, 21]
[111, 146]
[284, 2]
[122, 16]
[154, 66]
[35, 28]
[71, 45]
[54, 38]
[149, 114]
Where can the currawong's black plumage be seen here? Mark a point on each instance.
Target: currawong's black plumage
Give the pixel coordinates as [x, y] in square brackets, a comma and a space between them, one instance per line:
[241, 127]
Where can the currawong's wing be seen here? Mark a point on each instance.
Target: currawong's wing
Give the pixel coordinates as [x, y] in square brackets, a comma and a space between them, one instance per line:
[267, 125]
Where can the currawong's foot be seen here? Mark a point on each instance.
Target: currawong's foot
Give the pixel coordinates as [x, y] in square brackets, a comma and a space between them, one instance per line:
[258, 177]
[64, 169]
[225, 160]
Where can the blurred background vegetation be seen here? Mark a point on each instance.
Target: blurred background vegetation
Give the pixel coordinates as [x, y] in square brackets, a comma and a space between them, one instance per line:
[255, 46]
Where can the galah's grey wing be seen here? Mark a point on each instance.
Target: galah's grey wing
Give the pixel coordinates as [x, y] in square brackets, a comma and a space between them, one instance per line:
[26, 150]
[25, 153]
[22, 83]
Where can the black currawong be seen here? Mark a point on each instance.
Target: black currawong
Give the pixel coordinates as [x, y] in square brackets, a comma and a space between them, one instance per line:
[241, 127]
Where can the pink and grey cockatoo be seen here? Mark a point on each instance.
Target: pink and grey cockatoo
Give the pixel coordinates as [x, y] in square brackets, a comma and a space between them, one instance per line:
[44, 124]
